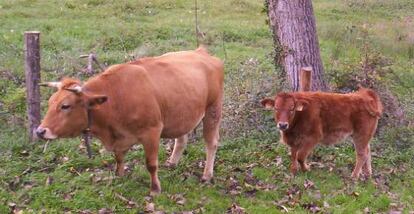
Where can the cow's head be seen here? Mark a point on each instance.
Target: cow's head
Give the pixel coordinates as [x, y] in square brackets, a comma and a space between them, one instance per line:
[285, 106]
[67, 111]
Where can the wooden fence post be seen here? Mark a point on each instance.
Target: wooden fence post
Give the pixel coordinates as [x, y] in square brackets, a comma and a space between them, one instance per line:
[32, 72]
[305, 83]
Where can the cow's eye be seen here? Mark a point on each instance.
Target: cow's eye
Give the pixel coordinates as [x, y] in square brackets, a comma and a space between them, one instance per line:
[65, 106]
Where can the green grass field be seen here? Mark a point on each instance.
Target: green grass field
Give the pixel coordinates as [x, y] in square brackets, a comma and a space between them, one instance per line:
[251, 170]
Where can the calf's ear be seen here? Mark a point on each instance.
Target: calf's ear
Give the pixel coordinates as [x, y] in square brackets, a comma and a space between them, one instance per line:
[268, 103]
[301, 105]
[95, 100]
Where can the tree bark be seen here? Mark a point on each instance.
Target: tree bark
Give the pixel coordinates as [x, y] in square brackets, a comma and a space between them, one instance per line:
[294, 32]
[32, 68]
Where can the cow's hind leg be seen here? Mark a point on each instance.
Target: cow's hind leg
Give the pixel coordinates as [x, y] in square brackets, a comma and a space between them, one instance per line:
[211, 125]
[179, 146]
[151, 146]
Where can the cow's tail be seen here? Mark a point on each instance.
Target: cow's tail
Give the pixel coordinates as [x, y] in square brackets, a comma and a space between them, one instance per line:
[373, 104]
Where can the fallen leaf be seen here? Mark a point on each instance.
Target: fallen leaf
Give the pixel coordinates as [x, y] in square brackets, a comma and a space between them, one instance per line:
[12, 205]
[14, 183]
[49, 180]
[235, 209]
[24, 153]
[311, 207]
[64, 159]
[150, 207]
[308, 184]
[278, 160]
[130, 204]
[105, 211]
[178, 198]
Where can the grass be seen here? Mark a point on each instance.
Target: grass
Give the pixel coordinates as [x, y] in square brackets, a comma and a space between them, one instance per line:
[247, 173]
[252, 167]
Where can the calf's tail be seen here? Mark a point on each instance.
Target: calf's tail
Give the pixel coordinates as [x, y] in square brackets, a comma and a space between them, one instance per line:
[373, 104]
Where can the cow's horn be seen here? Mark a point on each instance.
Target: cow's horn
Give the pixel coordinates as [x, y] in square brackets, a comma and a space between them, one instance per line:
[75, 89]
[51, 84]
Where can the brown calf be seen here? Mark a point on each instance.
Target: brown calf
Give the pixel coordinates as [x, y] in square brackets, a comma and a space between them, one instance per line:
[139, 103]
[308, 118]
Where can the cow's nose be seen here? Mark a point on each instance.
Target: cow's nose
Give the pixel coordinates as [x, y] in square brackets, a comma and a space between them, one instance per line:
[40, 132]
[283, 126]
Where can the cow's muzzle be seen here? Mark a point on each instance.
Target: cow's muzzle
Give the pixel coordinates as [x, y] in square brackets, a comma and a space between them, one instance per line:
[283, 126]
[44, 133]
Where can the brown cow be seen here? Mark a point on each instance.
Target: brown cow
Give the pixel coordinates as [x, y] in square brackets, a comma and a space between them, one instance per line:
[141, 102]
[308, 118]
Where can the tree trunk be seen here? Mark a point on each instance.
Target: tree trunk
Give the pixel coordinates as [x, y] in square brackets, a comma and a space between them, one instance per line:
[294, 32]
[32, 67]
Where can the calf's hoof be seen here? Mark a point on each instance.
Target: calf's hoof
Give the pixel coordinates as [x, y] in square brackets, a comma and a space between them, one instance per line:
[305, 168]
[120, 173]
[293, 170]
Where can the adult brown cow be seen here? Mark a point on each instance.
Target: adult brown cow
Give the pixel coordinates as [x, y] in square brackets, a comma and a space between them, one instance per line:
[308, 118]
[141, 102]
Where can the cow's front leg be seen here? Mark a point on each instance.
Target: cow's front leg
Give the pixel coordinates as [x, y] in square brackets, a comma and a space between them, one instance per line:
[294, 160]
[151, 159]
[120, 164]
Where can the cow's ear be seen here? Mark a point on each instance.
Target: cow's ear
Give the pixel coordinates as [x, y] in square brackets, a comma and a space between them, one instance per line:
[95, 100]
[268, 103]
[301, 105]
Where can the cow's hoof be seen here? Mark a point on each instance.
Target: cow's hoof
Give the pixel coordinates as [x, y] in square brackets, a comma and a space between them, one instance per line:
[168, 164]
[155, 192]
[206, 179]
[354, 177]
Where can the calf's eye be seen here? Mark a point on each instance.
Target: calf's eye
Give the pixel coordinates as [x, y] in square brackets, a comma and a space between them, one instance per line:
[65, 106]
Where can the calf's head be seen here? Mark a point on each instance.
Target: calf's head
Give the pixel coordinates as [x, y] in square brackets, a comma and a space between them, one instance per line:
[285, 106]
[67, 110]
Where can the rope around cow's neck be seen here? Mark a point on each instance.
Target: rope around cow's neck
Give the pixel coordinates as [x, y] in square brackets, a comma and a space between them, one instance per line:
[86, 134]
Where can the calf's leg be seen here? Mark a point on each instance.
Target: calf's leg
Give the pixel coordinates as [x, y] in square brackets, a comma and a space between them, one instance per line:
[179, 146]
[120, 165]
[211, 125]
[366, 168]
[363, 134]
[361, 150]
[294, 160]
[303, 153]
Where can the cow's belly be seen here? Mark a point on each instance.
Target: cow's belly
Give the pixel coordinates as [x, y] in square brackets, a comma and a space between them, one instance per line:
[181, 125]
